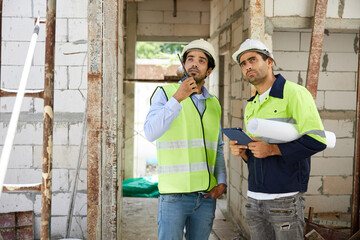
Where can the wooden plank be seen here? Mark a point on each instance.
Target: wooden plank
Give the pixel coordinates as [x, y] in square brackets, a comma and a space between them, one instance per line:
[22, 187]
[313, 235]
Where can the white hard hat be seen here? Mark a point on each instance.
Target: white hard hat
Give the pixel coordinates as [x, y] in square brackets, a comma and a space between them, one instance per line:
[202, 45]
[251, 45]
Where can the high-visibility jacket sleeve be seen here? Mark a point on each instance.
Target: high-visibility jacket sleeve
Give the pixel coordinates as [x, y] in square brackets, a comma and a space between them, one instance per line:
[301, 148]
[303, 110]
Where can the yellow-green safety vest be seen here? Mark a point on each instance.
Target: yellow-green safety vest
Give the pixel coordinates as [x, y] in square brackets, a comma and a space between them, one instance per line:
[296, 106]
[187, 151]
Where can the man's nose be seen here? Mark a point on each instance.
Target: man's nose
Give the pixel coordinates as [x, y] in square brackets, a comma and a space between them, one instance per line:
[248, 67]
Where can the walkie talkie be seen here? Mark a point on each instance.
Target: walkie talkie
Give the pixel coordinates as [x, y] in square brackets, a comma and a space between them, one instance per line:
[186, 75]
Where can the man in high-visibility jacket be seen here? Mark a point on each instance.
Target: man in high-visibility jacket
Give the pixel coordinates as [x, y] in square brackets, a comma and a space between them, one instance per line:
[278, 173]
[184, 118]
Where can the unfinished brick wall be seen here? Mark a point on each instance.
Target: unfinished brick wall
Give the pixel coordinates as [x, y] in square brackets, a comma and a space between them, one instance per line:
[330, 185]
[156, 20]
[70, 97]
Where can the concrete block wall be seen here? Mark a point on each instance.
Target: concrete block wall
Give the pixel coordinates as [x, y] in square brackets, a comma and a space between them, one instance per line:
[233, 15]
[156, 20]
[69, 105]
[330, 186]
[346, 9]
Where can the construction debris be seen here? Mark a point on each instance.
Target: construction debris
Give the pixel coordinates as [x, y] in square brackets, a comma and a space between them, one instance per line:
[313, 235]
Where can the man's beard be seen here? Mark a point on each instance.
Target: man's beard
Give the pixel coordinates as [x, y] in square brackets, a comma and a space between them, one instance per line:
[199, 78]
[256, 78]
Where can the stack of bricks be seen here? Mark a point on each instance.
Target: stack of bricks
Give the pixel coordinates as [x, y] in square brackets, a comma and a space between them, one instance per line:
[17, 225]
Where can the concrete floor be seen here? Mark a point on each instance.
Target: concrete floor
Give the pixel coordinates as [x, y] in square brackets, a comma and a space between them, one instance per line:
[140, 214]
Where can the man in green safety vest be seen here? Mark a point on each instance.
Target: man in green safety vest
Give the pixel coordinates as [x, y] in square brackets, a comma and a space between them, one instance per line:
[184, 118]
[278, 172]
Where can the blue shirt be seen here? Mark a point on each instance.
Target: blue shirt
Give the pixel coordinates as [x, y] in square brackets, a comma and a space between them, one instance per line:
[163, 112]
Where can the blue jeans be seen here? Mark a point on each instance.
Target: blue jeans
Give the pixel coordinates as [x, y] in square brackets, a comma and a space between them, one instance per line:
[190, 210]
[280, 219]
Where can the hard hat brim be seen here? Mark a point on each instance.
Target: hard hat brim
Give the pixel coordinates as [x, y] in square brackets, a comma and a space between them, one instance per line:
[236, 56]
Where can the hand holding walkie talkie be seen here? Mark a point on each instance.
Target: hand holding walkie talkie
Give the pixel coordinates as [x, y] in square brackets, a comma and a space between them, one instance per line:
[186, 75]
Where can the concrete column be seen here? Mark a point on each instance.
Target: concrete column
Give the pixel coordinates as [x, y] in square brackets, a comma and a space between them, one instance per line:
[257, 25]
[257, 19]
[105, 50]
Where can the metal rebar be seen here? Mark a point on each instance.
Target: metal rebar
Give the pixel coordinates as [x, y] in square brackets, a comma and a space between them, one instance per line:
[74, 190]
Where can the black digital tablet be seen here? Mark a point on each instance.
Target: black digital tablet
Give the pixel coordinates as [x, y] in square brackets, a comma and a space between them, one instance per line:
[237, 134]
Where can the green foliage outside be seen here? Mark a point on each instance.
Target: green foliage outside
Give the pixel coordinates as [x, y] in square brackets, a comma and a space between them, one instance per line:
[158, 50]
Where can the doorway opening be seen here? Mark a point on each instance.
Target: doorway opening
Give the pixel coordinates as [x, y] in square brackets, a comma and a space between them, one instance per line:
[155, 62]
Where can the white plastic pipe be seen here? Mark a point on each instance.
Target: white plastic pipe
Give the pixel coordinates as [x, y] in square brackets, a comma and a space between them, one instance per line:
[9, 140]
[281, 131]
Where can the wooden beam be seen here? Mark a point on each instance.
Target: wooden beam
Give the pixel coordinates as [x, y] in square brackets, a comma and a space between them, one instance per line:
[36, 187]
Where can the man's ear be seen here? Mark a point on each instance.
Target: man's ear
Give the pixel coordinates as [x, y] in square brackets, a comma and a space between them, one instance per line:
[208, 71]
[270, 61]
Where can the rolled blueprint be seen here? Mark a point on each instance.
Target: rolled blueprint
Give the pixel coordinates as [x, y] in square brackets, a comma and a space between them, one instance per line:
[281, 131]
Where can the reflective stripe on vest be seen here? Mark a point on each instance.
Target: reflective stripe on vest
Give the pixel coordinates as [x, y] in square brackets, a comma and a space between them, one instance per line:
[187, 150]
[183, 168]
[181, 144]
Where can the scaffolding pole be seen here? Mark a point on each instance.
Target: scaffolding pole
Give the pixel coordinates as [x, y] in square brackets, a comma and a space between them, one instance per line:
[317, 37]
[48, 120]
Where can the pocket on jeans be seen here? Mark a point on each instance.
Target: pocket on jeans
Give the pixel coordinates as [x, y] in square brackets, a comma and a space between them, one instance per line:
[281, 212]
[172, 198]
[283, 207]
